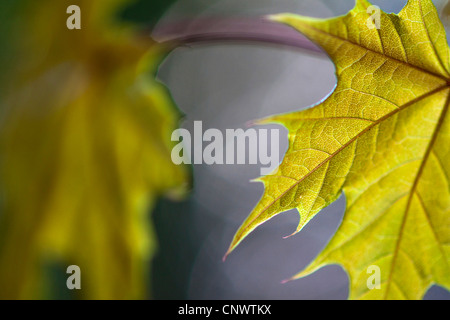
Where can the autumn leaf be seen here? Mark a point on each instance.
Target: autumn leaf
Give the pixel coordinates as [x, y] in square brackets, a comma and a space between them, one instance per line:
[383, 138]
[84, 149]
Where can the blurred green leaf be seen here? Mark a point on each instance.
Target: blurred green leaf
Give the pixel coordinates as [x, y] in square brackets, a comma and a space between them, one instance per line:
[84, 148]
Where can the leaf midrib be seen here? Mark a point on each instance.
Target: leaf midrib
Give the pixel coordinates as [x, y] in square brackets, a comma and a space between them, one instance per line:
[413, 191]
[442, 77]
[368, 128]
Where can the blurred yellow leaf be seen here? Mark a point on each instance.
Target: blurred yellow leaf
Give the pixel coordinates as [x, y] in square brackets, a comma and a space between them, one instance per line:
[382, 137]
[84, 150]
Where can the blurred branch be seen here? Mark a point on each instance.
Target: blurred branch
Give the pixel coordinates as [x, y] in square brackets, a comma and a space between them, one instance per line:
[216, 30]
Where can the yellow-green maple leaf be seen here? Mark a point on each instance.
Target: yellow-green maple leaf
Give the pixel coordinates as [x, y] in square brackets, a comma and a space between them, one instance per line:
[383, 138]
[84, 150]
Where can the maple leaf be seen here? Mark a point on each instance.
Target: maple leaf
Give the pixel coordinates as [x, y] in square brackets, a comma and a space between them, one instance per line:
[383, 138]
[84, 149]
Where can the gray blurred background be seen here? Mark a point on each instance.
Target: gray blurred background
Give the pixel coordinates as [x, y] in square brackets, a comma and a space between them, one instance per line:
[226, 85]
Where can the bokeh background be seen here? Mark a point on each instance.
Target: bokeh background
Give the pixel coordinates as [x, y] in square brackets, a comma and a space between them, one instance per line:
[226, 85]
